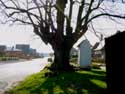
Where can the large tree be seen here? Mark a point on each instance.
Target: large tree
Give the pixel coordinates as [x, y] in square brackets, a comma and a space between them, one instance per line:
[58, 22]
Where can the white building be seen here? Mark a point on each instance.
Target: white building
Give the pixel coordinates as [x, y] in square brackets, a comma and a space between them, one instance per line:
[98, 52]
[84, 58]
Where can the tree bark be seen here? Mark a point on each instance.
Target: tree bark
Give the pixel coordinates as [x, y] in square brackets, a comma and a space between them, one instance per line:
[62, 57]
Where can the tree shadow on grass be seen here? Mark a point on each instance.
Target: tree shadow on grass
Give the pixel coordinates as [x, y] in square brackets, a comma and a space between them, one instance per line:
[72, 83]
[98, 72]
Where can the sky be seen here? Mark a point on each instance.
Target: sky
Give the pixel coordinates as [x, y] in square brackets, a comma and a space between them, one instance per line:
[11, 35]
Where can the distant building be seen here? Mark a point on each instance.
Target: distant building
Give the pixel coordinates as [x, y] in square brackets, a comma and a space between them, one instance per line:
[33, 53]
[2, 49]
[20, 51]
[16, 53]
[98, 52]
[24, 47]
[74, 51]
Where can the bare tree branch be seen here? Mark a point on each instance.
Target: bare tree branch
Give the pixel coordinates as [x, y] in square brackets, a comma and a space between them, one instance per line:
[78, 24]
[47, 23]
[106, 14]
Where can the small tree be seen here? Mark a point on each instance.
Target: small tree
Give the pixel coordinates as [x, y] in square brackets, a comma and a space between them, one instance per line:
[57, 22]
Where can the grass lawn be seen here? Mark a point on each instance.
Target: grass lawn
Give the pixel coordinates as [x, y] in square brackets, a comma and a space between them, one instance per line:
[79, 82]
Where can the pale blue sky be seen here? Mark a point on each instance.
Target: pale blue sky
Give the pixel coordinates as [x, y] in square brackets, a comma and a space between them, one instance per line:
[11, 35]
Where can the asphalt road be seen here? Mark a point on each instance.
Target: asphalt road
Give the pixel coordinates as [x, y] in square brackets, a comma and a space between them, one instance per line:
[14, 72]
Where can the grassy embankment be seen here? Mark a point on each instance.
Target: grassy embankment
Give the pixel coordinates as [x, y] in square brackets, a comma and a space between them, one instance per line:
[78, 82]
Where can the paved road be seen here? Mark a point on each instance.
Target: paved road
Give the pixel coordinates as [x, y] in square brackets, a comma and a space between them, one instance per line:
[13, 72]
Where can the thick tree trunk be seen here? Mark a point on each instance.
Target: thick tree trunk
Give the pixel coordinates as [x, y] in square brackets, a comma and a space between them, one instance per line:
[61, 60]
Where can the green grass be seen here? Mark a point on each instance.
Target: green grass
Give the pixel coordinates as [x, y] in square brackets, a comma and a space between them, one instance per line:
[79, 82]
[5, 58]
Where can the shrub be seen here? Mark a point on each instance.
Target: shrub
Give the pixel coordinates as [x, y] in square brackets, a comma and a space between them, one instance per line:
[96, 66]
[3, 58]
[98, 60]
[50, 60]
[74, 56]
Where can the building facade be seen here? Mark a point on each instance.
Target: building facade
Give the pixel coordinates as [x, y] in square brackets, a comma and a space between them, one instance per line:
[2, 49]
[84, 54]
[24, 47]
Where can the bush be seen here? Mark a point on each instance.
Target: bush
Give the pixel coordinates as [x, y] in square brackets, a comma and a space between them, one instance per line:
[50, 60]
[96, 66]
[74, 60]
[3, 58]
[98, 60]
[74, 56]
[8, 58]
